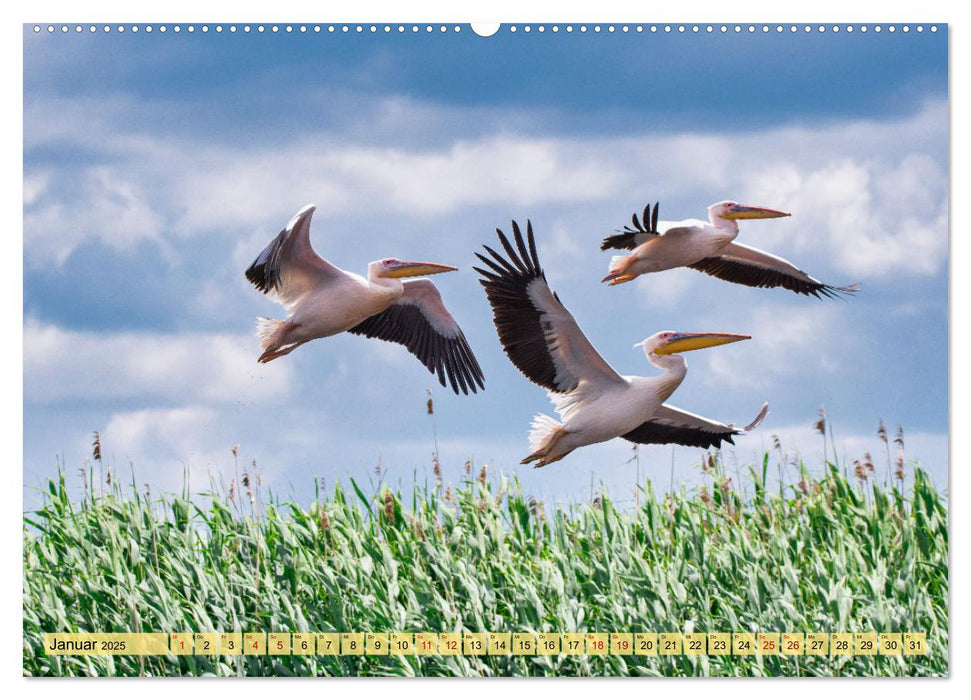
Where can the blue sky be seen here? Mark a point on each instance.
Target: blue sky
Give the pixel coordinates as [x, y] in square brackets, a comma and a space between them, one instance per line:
[157, 166]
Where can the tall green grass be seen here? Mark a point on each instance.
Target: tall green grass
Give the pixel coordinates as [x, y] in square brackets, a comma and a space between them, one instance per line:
[837, 554]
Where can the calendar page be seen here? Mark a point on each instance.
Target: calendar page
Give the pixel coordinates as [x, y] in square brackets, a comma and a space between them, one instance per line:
[545, 349]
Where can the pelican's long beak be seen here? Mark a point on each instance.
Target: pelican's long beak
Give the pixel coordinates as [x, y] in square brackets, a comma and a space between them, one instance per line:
[417, 269]
[741, 211]
[683, 342]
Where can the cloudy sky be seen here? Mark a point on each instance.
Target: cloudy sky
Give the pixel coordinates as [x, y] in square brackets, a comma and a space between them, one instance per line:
[156, 167]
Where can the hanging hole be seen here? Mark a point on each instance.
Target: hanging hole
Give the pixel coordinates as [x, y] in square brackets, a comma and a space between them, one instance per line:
[485, 28]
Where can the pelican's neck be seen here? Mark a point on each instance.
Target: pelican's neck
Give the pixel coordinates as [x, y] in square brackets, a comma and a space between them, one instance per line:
[675, 368]
[726, 225]
[670, 363]
[390, 286]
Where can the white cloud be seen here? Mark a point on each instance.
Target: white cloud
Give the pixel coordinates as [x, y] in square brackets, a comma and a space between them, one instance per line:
[668, 289]
[34, 187]
[105, 204]
[875, 218]
[126, 431]
[868, 196]
[785, 343]
[164, 442]
[665, 166]
[219, 369]
[508, 169]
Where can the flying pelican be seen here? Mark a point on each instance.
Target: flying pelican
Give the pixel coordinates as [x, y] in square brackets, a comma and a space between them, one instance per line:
[323, 300]
[710, 248]
[595, 404]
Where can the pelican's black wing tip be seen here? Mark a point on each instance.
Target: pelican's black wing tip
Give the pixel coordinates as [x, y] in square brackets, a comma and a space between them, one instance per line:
[260, 277]
[832, 292]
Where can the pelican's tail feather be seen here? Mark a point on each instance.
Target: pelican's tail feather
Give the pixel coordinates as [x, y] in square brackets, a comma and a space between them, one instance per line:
[544, 439]
[617, 263]
[540, 431]
[268, 331]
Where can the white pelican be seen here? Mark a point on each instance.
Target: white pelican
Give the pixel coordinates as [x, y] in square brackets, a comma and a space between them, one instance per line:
[710, 248]
[323, 300]
[595, 403]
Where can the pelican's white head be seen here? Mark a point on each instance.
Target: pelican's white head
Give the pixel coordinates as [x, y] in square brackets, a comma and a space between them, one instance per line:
[729, 211]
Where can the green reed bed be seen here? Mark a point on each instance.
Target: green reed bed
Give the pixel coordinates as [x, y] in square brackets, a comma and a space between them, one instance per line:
[837, 554]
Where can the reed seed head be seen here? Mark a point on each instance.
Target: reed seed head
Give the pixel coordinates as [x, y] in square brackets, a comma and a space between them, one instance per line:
[389, 506]
[417, 528]
[820, 424]
[899, 470]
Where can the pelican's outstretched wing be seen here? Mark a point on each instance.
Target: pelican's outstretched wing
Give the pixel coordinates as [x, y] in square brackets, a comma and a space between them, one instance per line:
[755, 268]
[630, 238]
[672, 425]
[537, 332]
[420, 322]
[288, 267]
